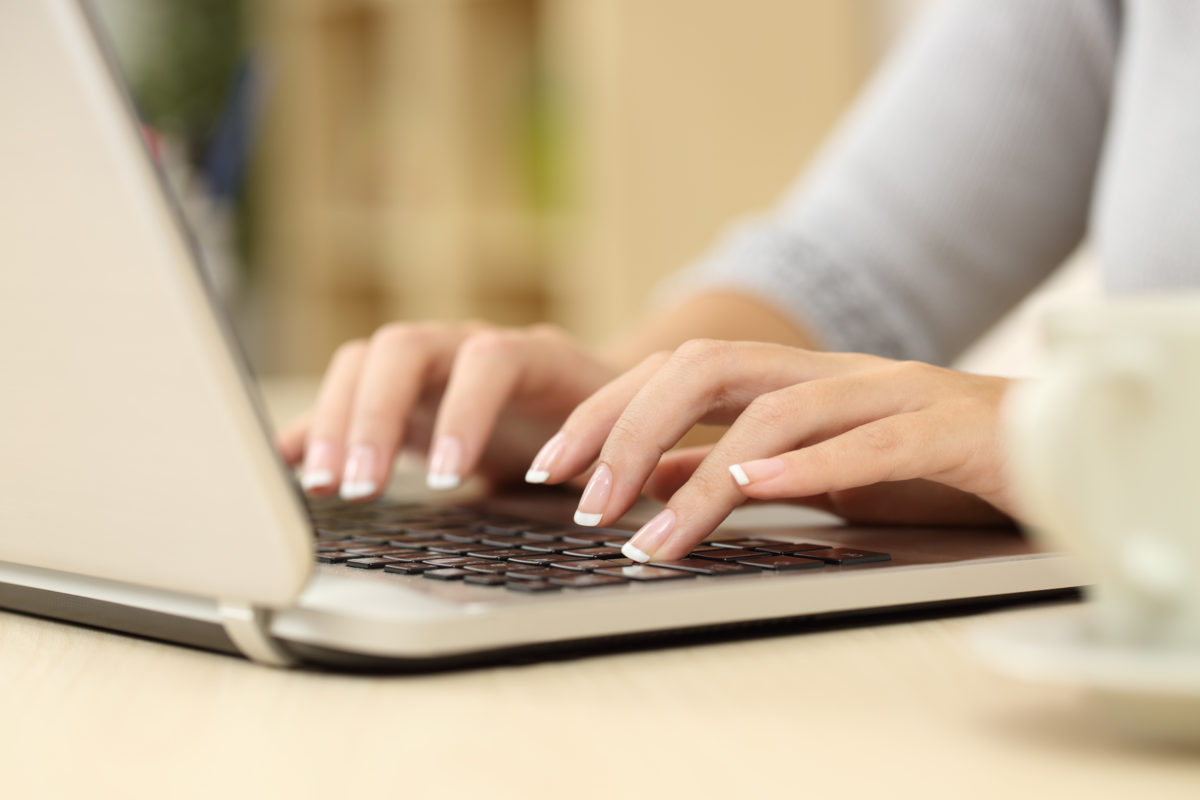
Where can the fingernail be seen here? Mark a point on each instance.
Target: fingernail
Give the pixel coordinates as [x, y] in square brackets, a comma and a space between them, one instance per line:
[595, 497]
[318, 466]
[358, 479]
[543, 462]
[445, 464]
[650, 537]
[763, 469]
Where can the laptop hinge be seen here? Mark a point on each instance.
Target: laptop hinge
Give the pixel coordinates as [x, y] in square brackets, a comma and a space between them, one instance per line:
[249, 628]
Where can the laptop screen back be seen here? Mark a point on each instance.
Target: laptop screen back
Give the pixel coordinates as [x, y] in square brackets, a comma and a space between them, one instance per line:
[130, 448]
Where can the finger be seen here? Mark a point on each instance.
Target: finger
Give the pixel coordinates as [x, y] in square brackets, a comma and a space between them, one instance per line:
[289, 441]
[897, 448]
[775, 422]
[401, 362]
[486, 371]
[703, 381]
[324, 448]
[573, 449]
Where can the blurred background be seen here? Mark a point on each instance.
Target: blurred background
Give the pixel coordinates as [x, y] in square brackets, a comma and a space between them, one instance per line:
[349, 162]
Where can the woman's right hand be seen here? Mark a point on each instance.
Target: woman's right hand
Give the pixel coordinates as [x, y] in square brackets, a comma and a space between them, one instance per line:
[475, 397]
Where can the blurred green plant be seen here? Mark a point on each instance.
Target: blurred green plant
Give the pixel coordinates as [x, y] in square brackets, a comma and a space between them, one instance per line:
[180, 58]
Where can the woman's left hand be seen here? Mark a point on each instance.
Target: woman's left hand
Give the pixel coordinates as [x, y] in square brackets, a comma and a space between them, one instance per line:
[836, 430]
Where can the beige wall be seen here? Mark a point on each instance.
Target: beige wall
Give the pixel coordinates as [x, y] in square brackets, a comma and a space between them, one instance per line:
[404, 137]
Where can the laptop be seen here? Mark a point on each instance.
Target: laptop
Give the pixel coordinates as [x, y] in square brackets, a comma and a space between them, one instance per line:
[142, 493]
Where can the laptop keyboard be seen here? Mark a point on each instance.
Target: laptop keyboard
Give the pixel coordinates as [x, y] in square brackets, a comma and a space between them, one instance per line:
[482, 549]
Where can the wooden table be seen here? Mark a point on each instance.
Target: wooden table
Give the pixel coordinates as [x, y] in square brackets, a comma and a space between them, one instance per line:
[889, 711]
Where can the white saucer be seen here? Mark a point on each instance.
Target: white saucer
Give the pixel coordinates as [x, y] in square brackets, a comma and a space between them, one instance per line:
[1151, 693]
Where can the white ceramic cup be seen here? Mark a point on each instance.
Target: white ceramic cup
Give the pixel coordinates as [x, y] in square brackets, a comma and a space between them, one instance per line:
[1105, 458]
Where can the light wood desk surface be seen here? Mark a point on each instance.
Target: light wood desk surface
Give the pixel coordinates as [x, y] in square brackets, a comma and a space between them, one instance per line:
[890, 711]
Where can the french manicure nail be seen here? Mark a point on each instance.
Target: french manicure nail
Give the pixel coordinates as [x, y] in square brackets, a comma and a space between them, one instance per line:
[543, 462]
[318, 466]
[762, 469]
[358, 479]
[595, 497]
[445, 464]
[650, 537]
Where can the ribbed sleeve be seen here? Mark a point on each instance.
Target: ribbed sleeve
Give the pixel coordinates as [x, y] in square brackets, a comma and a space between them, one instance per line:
[959, 181]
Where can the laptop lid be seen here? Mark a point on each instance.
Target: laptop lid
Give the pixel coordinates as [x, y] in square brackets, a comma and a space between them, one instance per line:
[130, 446]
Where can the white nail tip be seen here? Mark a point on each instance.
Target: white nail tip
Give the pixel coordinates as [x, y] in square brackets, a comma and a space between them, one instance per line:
[442, 483]
[315, 479]
[587, 520]
[353, 490]
[629, 551]
[537, 476]
[739, 475]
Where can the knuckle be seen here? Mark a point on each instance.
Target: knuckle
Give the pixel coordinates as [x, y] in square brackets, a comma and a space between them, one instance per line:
[881, 439]
[400, 336]
[347, 351]
[701, 351]
[913, 369]
[770, 411]
[490, 343]
[657, 359]
[545, 331]
[627, 430]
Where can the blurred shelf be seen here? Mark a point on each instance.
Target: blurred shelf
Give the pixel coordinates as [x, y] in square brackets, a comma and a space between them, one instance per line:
[524, 159]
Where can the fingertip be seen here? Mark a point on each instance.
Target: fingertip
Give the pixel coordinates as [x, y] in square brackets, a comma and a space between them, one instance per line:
[739, 475]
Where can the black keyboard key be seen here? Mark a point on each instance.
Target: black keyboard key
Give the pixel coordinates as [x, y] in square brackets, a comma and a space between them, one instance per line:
[499, 554]
[589, 564]
[781, 562]
[447, 574]
[595, 537]
[336, 557]
[548, 534]
[545, 559]
[507, 541]
[459, 549]
[408, 555]
[536, 573]
[704, 566]
[742, 544]
[423, 544]
[725, 554]
[365, 550]
[788, 548]
[847, 556]
[531, 587]
[488, 566]
[588, 580]
[408, 568]
[464, 536]
[406, 541]
[373, 562]
[548, 547]
[454, 561]
[645, 572]
[594, 552]
[496, 529]
[484, 579]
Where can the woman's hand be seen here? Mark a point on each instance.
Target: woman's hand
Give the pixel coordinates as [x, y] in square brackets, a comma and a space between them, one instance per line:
[445, 388]
[847, 432]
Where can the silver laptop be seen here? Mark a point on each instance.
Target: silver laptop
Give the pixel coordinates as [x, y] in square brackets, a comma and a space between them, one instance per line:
[141, 492]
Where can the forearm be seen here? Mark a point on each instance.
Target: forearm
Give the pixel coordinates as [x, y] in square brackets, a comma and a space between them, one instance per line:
[709, 315]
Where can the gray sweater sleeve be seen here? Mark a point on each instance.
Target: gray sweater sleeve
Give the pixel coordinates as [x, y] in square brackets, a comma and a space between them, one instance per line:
[959, 181]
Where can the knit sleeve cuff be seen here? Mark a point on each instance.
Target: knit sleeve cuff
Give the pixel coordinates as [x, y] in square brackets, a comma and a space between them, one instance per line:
[837, 304]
